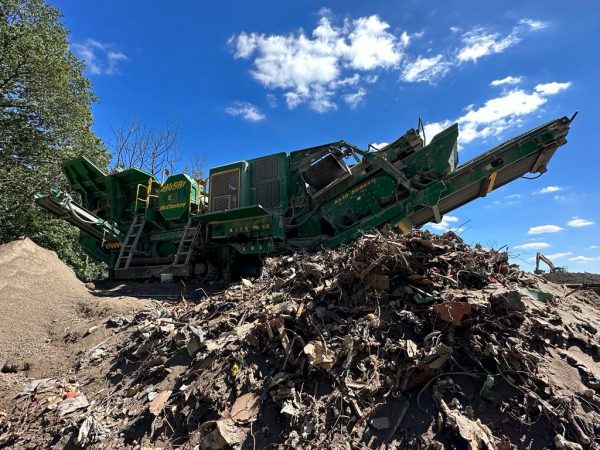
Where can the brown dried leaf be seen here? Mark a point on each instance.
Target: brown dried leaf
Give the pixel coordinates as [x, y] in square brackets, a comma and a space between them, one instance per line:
[158, 403]
[245, 409]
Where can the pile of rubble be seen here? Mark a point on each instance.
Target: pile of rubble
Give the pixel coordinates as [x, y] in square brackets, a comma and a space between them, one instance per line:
[573, 277]
[416, 341]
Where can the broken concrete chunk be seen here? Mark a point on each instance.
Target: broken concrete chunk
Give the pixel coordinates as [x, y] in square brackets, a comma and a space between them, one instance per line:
[507, 300]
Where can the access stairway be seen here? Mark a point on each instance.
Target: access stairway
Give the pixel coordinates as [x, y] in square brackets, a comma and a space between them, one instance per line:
[130, 243]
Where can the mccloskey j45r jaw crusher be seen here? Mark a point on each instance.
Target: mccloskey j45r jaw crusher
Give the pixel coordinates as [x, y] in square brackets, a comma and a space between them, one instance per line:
[283, 202]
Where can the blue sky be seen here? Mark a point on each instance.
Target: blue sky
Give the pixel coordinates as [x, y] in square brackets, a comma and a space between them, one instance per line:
[245, 79]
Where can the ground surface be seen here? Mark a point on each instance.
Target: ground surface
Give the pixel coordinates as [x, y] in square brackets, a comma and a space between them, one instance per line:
[322, 351]
[45, 312]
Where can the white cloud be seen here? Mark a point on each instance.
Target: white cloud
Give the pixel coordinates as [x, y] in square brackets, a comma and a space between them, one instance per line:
[371, 45]
[506, 80]
[495, 116]
[584, 259]
[593, 247]
[100, 58]
[533, 24]
[480, 41]
[498, 114]
[576, 222]
[245, 110]
[311, 68]
[552, 87]
[548, 190]
[379, 145]
[445, 224]
[544, 229]
[558, 255]
[355, 98]
[533, 246]
[272, 100]
[425, 69]
[476, 43]
[513, 196]
[431, 129]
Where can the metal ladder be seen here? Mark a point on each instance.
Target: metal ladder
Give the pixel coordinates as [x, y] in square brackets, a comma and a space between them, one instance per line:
[131, 241]
[187, 243]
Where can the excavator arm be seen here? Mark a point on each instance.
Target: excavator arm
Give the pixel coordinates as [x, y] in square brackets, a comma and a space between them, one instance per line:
[539, 257]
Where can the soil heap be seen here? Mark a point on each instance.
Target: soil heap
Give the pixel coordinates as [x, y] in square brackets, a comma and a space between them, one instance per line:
[573, 277]
[415, 341]
[41, 302]
[39, 296]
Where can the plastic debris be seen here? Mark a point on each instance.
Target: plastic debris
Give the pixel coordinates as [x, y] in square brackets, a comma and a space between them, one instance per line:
[72, 404]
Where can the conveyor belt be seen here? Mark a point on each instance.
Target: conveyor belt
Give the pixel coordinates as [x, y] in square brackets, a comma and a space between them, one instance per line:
[76, 215]
[462, 186]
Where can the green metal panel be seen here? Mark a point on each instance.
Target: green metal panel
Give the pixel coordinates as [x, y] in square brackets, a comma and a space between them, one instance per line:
[234, 214]
[242, 229]
[269, 181]
[228, 187]
[176, 197]
[112, 196]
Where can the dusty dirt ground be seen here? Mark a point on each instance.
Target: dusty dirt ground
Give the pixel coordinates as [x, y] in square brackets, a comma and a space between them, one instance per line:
[45, 313]
[323, 351]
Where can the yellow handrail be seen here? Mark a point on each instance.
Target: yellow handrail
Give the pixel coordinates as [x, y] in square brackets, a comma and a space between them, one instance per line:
[146, 199]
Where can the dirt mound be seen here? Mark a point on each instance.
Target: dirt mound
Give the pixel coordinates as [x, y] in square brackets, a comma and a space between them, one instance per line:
[415, 341]
[39, 295]
[41, 299]
[573, 277]
[27, 267]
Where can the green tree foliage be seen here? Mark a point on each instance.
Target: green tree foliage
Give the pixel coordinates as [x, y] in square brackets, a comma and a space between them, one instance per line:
[45, 117]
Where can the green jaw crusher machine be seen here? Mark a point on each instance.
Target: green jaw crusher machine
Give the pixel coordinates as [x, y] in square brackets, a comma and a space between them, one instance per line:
[223, 227]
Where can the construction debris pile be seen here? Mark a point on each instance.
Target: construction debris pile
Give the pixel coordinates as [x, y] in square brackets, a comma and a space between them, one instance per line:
[415, 341]
[573, 277]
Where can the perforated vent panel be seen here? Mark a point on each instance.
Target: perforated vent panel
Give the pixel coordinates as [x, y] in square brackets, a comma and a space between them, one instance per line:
[267, 194]
[266, 182]
[225, 190]
[266, 168]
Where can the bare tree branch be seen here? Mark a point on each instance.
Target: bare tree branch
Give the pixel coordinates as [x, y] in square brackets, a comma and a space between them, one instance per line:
[149, 149]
